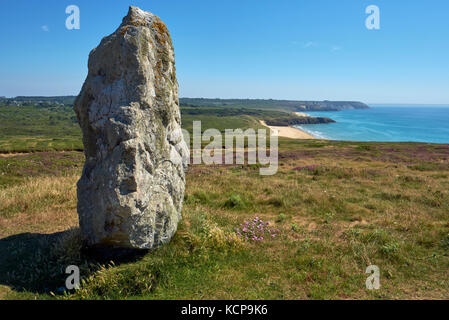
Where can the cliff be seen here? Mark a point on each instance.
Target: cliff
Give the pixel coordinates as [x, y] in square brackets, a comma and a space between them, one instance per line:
[284, 122]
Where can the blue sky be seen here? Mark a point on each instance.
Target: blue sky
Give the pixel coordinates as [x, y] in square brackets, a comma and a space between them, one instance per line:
[303, 49]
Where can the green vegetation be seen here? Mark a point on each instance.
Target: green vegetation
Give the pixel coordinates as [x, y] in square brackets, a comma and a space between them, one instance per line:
[337, 208]
[32, 100]
[286, 121]
[222, 119]
[270, 104]
[35, 128]
[55, 127]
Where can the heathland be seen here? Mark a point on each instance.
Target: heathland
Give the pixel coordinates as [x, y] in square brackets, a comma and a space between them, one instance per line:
[332, 209]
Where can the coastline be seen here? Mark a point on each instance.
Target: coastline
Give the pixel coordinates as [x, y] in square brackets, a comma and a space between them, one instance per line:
[288, 132]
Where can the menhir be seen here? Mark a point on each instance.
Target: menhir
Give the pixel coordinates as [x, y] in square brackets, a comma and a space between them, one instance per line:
[132, 187]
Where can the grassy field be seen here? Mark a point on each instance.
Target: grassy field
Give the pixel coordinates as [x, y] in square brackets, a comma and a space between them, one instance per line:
[334, 208]
[55, 128]
[34, 128]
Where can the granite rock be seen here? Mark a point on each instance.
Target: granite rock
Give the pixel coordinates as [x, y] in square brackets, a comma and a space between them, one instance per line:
[132, 187]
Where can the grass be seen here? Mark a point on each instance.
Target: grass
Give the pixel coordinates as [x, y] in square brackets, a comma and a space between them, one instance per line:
[35, 128]
[338, 209]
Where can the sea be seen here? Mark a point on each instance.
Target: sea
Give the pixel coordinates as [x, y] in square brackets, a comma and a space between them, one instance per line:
[415, 123]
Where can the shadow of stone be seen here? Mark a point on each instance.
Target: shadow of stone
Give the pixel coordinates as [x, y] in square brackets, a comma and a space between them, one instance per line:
[106, 254]
[29, 262]
[20, 256]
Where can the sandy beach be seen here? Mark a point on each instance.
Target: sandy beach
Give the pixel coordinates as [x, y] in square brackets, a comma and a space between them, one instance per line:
[288, 132]
[301, 114]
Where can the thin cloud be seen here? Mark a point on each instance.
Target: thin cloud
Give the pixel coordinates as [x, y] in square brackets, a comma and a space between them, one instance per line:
[45, 28]
[310, 44]
[335, 48]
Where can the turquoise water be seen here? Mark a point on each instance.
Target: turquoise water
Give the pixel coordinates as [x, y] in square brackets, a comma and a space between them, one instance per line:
[385, 123]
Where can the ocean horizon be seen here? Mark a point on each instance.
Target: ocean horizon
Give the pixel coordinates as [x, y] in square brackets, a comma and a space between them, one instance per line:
[384, 123]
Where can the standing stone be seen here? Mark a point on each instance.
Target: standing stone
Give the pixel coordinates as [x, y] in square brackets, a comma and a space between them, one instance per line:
[132, 187]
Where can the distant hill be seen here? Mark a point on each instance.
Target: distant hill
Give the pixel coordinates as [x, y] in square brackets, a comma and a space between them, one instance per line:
[35, 100]
[286, 105]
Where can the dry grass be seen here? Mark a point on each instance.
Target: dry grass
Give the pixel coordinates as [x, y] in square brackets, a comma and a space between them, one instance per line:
[39, 204]
[335, 215]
